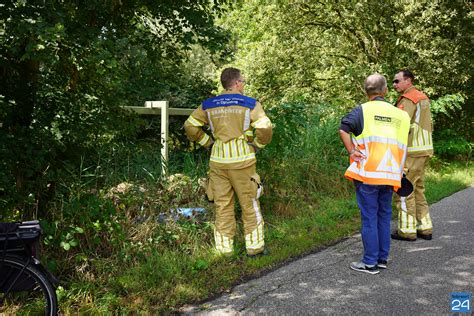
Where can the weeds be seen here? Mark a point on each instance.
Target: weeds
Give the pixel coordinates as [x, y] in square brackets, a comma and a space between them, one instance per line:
[118, 244]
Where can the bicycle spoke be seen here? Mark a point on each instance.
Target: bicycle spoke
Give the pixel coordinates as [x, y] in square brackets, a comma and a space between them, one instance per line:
[30, 293]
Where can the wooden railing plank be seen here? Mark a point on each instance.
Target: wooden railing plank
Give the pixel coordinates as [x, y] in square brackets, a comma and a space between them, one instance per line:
[157, 111]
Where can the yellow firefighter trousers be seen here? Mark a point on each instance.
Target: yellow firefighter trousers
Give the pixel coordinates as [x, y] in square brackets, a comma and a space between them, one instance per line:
[413, 211]
[246, 184]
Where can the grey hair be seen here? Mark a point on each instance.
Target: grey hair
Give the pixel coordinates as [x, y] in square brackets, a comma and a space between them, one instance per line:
[375, 84]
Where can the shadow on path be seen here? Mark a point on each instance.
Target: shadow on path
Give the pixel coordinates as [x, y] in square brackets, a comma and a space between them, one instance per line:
[419, 280]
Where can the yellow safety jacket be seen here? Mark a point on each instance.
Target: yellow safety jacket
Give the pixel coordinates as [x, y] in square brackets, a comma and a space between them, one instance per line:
[235, 121]
[384, 142]
[417, 105]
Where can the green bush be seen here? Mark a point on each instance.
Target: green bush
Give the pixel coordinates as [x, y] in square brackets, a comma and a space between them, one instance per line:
[305, 160]
[449, 145]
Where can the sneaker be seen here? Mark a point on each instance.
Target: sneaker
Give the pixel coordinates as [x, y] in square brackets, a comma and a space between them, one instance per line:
[425, 237]
[382, 264]
[396, 236]
[362, 267]
[265, 252]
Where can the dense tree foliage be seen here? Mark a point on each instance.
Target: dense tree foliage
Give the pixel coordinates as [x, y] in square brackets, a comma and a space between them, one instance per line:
[71, 157]
[66, 66]
[322, 50]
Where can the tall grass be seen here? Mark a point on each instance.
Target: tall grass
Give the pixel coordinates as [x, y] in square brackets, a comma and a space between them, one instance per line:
[128, 252]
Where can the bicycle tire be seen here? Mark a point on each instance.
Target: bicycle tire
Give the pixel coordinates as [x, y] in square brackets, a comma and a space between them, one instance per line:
[25, 288]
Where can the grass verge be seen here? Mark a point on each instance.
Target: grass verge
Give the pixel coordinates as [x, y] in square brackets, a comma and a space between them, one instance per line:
[161, 280]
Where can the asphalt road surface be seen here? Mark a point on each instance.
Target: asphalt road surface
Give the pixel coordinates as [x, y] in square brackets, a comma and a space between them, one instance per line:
[420, 278]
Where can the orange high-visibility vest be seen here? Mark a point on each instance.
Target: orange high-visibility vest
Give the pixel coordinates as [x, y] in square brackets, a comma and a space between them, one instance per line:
[384, 142]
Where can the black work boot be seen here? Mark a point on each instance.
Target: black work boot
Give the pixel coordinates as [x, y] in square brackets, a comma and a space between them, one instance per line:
[425, 236]
[396, 236]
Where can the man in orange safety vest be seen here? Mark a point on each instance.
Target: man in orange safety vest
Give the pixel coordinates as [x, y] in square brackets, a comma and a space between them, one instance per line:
[377, 155]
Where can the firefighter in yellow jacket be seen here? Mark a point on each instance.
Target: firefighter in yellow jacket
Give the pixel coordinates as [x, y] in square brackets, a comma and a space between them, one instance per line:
[239, 128]
[413, 213]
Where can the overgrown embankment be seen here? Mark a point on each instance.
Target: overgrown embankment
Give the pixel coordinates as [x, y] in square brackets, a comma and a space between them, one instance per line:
[92, 173]
[128, 252]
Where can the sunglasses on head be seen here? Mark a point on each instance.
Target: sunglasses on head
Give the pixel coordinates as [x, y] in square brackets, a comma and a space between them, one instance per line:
[396, 81]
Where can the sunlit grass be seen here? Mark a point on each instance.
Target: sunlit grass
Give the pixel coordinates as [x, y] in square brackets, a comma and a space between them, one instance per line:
[446, 179]
[308, 205]
[163, 280]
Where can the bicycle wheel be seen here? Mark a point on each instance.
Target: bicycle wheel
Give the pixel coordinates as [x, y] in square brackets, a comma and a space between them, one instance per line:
[25, 290]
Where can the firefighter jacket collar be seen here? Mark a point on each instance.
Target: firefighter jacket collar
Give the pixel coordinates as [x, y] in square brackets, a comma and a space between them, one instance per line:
[412, 94]
[232, 91]
[225, 100]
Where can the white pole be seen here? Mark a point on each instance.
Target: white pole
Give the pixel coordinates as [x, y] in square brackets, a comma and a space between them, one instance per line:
[164, 136]
[160, 108]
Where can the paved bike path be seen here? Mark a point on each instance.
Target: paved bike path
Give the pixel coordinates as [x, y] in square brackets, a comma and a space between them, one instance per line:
[419, 280]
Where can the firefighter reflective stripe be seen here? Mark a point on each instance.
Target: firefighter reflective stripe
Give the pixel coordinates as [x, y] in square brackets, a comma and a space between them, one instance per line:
[235, 150]
[406, 223]
[194, 122]
[256, 208]
[254, 241]
[422, 139]
[210, 122]
[249, 136]
[247, 120]
[403, 204]
[236, 159]
[425, 223]
[255, 141]
[226, 149]
[203, 141]
[263, 122]
[419, 148]
[418, 113]
[259, 190]
[224, 244]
